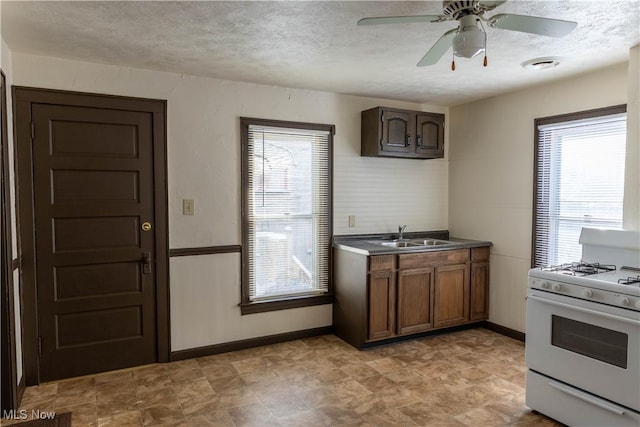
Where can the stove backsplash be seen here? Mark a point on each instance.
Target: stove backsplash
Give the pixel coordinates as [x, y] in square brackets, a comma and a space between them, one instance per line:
[606, 246]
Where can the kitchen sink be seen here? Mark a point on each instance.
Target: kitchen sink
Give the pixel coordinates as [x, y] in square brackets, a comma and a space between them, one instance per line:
[429, 242]
[413, 243]
[401, 244]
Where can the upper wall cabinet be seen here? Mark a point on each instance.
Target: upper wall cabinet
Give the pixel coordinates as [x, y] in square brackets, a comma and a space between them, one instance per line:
[388, 132]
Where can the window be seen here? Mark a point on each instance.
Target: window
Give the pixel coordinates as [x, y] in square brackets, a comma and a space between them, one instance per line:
[579, 180]
[286, 214]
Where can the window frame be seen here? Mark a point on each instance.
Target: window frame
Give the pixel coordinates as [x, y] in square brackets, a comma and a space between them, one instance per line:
[246, 305]
[587, 114]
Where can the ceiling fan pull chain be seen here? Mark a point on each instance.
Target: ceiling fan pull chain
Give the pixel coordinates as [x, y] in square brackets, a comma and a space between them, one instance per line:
[453, 61]
[484, 30]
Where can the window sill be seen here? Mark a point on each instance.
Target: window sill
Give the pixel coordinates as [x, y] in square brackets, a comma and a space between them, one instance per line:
[285, 304]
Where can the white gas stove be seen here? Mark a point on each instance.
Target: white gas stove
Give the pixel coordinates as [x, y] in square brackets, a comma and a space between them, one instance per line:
[617, 286]
[583, 334]
[609, 272]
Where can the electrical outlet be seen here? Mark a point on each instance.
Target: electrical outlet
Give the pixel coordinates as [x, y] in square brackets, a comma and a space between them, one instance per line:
[187, 207]
[352, 220]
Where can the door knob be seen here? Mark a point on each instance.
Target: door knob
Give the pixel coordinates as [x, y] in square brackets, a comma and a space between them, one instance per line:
[146, 226]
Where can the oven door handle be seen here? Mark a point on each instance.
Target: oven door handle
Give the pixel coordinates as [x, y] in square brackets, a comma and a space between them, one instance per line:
[587, 398]
[584, 310]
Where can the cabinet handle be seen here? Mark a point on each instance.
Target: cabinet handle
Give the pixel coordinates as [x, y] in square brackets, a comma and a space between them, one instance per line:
[408, 141]
[419, 141]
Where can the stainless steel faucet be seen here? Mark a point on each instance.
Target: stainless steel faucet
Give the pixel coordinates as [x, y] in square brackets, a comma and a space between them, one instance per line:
[401, 231]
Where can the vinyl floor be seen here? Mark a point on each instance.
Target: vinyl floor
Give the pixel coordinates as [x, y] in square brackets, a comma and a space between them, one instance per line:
[473, 377]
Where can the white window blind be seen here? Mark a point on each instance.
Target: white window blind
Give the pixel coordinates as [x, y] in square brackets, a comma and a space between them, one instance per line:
[579, 183]
[288, 212]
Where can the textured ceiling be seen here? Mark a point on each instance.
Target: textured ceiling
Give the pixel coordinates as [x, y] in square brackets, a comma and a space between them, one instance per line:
[317, 45]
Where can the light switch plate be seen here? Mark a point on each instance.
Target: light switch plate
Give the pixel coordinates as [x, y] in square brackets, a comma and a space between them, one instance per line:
[187, 207]
[352, 220]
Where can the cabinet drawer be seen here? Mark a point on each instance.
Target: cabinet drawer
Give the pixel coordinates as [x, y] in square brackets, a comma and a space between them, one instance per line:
[458, 256]
[480, 254]
[382, 262]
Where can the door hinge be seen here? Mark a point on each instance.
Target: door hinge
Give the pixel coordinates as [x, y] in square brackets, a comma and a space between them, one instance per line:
[39, 346]
[33, 130]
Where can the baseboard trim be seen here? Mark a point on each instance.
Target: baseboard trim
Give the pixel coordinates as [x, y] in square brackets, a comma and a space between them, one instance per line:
[248, 343]
[503, 330]
[418, 335]
[307, 333]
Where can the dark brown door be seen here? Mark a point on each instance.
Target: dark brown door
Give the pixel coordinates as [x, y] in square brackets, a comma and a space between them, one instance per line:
[93, 202]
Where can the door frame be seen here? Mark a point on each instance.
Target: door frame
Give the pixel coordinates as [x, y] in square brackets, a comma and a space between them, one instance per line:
[10, 392]
[23, 98]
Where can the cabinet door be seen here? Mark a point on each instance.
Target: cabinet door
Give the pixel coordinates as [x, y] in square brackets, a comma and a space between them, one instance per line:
[415, 300]
[479, 290]
[397, 133]
[430, 135]
[381, 294]
[451, 296]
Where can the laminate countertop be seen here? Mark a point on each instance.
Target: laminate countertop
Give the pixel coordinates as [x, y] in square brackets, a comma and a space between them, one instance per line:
[367, 244]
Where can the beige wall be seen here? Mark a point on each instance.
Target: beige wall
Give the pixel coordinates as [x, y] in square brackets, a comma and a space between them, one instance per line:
[631, 215]
[483, 190]
[491, 174]
[204, 165]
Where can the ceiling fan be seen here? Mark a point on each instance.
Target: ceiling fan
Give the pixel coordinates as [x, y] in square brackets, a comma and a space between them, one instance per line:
[469, 39]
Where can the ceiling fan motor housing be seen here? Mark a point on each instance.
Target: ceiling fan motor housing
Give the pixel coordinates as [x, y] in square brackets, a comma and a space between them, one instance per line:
[455, 9]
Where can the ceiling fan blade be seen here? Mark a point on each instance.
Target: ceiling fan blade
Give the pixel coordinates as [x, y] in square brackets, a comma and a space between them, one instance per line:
[399, 19]
[533, 24]
[438, 49]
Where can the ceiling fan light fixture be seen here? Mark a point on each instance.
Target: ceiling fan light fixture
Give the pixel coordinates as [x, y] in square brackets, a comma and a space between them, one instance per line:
[469, 42]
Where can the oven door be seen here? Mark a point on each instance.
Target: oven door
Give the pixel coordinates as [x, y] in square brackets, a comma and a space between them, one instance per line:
[588, 345]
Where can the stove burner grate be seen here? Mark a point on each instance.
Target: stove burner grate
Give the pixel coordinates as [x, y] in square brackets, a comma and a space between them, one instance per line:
[629, 280]
[581, 268]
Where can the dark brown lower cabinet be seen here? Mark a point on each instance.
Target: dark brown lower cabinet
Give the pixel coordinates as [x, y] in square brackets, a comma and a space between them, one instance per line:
[382, 291]
[415, 298]
[479, 283]
[385, 296]
[451, 302]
